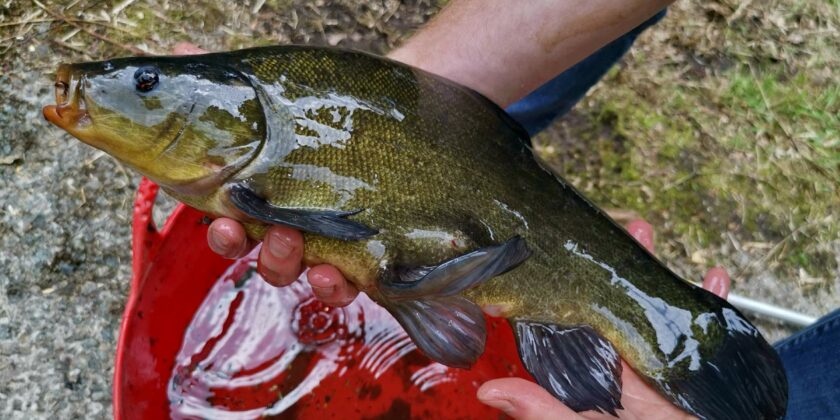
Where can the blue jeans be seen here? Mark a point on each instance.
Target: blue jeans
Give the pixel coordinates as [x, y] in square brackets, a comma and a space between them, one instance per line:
[811, 357]
[812, 362]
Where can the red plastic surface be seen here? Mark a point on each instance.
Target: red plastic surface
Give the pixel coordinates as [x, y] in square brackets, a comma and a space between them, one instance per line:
[173, 272]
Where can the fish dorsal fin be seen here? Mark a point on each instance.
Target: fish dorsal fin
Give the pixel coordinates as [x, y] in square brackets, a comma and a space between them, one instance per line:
[329, 223]
[448, 328]
[575, 364]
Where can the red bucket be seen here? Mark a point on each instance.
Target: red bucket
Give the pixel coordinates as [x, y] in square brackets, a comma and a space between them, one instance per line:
[253, 351]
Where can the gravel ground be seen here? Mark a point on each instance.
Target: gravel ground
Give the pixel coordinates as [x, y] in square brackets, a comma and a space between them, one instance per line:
[65, 213]
[65, 258]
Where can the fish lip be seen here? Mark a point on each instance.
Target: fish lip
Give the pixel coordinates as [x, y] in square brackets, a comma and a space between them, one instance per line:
[69, 117]
[63, 116]
[51, 114]
[69, 111]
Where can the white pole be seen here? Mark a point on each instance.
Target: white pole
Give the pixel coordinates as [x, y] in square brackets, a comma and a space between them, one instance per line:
[771, 311]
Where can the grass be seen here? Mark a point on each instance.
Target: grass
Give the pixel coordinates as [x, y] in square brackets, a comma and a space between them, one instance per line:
[724, 131]
[721, 127]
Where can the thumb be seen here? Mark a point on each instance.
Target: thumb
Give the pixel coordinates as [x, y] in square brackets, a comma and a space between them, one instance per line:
[523, 400]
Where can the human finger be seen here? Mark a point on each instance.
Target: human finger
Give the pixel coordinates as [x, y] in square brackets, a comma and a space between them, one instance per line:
[186, 48]
[280, 259]
[717, 281]
[523, 400]
[330, 286]
[642, 231]
[227, 238]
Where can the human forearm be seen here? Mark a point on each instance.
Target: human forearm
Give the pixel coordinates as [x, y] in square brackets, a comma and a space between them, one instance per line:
[507, 48]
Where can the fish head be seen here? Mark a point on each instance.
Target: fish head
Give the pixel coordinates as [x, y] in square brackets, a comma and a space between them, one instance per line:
[184, 122]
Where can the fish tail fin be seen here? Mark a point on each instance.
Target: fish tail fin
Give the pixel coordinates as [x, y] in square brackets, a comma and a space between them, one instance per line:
[744, 379]
[426, 301]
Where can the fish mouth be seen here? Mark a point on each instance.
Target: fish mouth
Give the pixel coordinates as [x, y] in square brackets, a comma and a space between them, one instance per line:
[69, 112]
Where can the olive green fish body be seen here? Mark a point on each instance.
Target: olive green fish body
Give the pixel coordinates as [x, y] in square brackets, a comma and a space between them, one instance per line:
[427, 196]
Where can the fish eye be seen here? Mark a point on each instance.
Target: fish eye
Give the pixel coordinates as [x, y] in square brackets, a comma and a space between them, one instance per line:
[146, 78]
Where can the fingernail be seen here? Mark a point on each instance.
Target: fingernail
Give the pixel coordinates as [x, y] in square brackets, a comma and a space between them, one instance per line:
[279, 246]
[503, 405]
[221, 243]
[321, 284]
[716, 281]
[495, 399]
[716, 285]
[642, 231]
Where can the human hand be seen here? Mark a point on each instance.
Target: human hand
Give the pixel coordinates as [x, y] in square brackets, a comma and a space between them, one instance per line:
[525, 400]
[281, 257]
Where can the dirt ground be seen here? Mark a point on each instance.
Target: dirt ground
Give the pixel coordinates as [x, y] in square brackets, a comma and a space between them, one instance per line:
[720, 128]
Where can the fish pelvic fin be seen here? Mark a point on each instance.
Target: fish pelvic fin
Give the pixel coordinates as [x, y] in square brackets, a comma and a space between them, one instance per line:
[445, 326]
[744, 379]
[574, 363]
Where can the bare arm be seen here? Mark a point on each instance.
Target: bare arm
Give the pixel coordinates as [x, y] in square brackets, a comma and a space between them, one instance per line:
[507, 48]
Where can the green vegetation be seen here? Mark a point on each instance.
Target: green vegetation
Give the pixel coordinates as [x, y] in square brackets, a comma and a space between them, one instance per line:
[723, 127]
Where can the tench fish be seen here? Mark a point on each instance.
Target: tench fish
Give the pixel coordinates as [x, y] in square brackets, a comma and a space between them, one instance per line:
[425, 195]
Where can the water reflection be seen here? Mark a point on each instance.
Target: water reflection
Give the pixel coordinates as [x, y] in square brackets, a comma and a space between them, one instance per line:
[253, 350]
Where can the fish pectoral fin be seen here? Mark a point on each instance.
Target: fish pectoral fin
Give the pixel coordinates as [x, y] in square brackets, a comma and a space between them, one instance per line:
[450, 330]
[458, 274]
[575, 364]
[329, 223]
